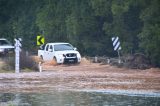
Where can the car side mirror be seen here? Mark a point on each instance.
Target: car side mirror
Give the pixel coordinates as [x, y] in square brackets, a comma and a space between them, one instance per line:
[75, 49]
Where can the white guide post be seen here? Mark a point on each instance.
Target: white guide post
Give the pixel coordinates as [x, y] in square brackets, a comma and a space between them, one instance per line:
[17, 54]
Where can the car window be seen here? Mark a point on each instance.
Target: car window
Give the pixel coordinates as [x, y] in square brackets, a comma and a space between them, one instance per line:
[62, 47]
[51, 47]
[4, 42]
[47, 47]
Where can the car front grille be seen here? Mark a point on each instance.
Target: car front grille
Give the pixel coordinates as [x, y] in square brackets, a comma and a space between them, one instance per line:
[71, 55]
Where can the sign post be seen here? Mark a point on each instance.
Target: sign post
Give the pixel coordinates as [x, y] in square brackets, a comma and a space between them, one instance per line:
[119, 61]
[17, 53]
[117, 47]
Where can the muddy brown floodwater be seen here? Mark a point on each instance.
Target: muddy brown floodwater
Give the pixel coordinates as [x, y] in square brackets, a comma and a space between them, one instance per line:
[84, 76]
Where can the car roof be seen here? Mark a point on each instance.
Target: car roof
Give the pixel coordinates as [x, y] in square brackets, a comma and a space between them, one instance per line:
[3, 39]
[57, 43]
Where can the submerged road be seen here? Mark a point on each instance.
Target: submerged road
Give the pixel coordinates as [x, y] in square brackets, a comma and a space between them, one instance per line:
[86, 76]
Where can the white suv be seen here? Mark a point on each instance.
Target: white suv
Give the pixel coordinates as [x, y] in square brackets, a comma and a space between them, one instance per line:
[60, 52]
[5, 46]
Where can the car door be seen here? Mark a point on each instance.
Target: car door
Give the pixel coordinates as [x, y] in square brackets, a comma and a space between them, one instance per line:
[50, 52]
[45, 56]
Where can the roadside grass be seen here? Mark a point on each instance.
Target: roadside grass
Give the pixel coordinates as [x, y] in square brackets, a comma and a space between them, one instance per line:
[27, 64]
[6, 71]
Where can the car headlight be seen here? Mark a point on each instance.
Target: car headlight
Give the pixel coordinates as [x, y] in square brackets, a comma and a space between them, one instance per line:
[64, 55]
[78, 55]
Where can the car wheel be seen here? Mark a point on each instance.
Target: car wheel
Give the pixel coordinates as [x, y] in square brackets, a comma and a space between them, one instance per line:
[41, 58]
[55, 60]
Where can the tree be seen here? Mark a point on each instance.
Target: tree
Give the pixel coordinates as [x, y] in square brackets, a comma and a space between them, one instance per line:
[150, 35]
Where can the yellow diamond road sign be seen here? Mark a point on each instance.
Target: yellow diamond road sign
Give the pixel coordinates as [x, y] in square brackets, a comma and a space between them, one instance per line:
[40, 40]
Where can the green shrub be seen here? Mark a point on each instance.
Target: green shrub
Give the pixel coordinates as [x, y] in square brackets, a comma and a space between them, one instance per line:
[26, 62]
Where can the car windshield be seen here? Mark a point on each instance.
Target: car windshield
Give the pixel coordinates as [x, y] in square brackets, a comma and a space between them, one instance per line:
[62, 47]
[4, 42]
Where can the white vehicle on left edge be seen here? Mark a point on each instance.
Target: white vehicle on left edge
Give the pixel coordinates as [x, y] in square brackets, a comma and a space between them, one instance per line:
[60, 52]
[5, 46]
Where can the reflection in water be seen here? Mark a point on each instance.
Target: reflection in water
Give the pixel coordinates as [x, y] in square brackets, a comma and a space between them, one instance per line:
[75, 99]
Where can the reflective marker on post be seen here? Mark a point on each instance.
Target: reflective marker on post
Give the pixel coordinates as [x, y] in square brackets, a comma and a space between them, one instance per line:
[116, 45]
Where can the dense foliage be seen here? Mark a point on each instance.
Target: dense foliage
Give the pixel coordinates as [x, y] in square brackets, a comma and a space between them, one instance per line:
[87, 24]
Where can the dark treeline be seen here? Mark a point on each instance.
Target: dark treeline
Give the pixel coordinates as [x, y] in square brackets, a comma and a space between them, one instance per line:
[87, 24]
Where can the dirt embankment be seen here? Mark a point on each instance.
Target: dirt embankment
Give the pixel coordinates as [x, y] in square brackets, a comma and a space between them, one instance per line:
[82, 76]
